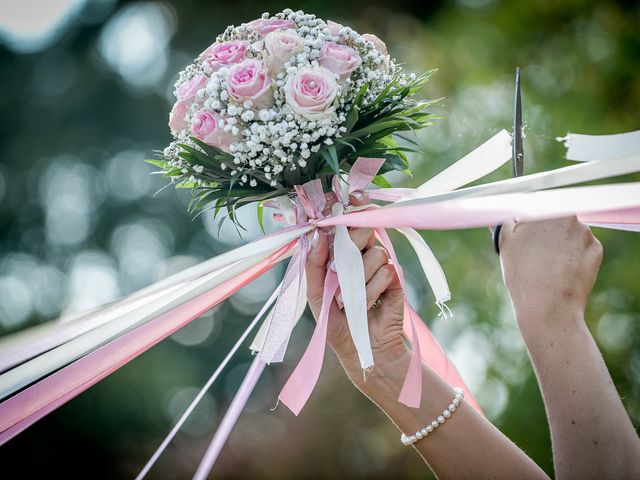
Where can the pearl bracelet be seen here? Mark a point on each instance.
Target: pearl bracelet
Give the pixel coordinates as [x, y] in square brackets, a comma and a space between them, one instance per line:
[430, 427]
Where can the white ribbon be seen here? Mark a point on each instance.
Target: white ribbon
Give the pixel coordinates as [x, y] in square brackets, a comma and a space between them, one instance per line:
[47, 362]
[430, 266]
[350, 270]
[488, 157]
[258, 341]
[560, 177]
[586, 148]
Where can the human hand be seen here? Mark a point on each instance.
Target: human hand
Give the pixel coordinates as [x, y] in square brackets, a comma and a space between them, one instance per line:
[549, 265]
[385, 321]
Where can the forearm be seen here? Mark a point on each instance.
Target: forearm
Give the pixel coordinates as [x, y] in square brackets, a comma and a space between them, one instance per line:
[591, 432]
[467, 445]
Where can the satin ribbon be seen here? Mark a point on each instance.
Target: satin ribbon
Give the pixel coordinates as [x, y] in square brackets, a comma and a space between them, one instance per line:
[432, 207]
[303, 380]
[586, 148]
[230, 419]
[411, 392]
[194, 403]
[24, 408]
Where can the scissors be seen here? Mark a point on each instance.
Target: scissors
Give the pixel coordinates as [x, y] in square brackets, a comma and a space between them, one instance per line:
[517, 156]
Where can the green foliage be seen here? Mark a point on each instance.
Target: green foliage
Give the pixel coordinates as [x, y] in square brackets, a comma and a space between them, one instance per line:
[370, 132]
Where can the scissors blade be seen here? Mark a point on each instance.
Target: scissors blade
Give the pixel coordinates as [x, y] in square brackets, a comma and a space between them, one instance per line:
[518, 152]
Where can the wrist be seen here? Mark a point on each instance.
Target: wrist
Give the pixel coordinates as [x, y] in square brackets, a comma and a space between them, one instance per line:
[385, 380]
[549, 319]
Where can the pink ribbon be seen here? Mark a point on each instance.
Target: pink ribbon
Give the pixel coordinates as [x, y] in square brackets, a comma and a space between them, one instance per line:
[303, 380]
[23, 409]
[230, 419]
[434, 355]
[494, 209]
[363, 171]
[411, 392]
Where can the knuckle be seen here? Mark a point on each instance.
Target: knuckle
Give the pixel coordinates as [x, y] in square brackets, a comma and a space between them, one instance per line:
[380, 253]
[387, 272]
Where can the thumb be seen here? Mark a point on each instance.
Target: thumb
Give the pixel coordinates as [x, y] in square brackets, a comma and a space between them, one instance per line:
[316, 268]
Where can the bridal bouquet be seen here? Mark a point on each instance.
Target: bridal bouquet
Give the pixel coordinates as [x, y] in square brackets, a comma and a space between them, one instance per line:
[283, 100]
[279, 112]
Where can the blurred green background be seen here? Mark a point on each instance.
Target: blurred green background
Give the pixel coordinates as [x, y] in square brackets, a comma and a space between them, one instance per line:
[86, 89]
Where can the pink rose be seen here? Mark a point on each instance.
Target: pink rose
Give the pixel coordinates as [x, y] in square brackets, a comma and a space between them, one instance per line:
[377, 43]
[334, 27]
[207, 127]
[266, 25]
[281, 46]
[177, 120]
[225, 53]
[311, 92]
[339, 59]
[188, 90]
[249, 81]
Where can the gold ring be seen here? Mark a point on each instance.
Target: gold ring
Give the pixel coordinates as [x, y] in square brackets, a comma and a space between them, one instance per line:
[378, 303]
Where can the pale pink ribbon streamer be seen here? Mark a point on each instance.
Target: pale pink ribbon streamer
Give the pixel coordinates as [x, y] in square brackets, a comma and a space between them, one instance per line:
[494, 209]
[411, 392]
[23, 409]
[311, 198]
[185, 415]
[302, 381]
[626, 219]
[230, 419]
[435, 357]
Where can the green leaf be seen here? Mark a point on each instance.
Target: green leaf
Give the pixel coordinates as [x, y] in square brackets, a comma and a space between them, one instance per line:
[345, 143]
[186, 184]
[352, 119]
[260, 208]
[381, 181]
[360, 95]
[331, 156]
[157, 163]
[393, 162]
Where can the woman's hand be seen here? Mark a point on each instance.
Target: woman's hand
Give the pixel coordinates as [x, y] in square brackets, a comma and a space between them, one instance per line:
[385, 321]
[549, 265]
[549, 269]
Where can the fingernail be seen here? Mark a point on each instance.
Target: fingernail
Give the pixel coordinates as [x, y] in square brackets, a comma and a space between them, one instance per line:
[314, 239]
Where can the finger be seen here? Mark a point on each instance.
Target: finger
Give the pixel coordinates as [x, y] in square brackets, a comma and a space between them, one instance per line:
[373, 259]
[362, 237]
[379, 283]
[358, 198]
[316, 269]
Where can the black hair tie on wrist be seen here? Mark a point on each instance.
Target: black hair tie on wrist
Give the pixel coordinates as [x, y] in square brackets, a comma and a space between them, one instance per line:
[496, 238]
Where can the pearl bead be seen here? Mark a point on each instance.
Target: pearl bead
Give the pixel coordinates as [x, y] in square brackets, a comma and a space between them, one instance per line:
[446, 413]
[440, 419]
[419, 435]
[412, 438]
[455, 402]
[435, 424]
[429, 428]
[425, 432]
[451, 407]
